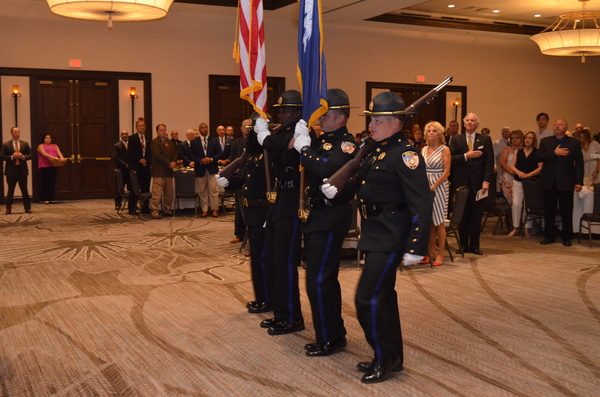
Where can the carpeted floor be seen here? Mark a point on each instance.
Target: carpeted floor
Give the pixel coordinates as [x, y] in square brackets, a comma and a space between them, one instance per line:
[98, 304]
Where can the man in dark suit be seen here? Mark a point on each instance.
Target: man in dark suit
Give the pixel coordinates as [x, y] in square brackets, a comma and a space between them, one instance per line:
[164, 160]
[184, 149]
[16, 153]
[139, 157]
[472, 166]
[205, 153]
[120, 159]
[175, 137]
[561, 174]
[225, 144]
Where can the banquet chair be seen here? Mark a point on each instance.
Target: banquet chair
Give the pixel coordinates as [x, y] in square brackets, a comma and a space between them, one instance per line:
[141, 198]
[460, 201]
[592, 219]
[121, 187]
[534, 202]
[185, 188]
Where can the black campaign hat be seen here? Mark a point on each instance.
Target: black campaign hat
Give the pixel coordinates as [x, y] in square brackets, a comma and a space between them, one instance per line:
[255, 116]
[289, 98]
[386, 104]
[337, 99]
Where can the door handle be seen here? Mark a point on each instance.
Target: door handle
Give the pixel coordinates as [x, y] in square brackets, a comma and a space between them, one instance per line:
[96, 158]
[78, 158]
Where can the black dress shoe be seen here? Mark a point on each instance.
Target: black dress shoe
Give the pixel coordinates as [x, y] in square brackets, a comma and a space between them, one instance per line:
[326, 349]
[546, 241]
[261, 307]
[567, 243]
[367, 366]
[283, 327]
[268, 323]
[251, 303]
[476, 252]
[380, 371]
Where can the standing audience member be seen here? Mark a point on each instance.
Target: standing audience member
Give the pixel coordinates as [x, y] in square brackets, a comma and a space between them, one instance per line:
[499, 146]
[543, 130]
[437, 162]
[140, 160]
[225, 144]
[577, 130]
[508, 158]
[591, 156]
[175, 137]
[15, 154]
[525, 167]
[184, 149]
[205, 153]
[48, 151]
[561, 174]
[473, 166]
[485, 131]
[451, 132]
[418, 140]
[120, 159]
[164, 160]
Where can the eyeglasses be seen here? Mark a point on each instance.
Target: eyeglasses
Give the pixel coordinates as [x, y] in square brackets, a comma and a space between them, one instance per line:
[515, 137]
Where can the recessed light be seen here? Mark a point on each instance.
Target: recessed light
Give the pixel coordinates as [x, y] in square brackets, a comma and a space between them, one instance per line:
[450, 5]
[496, 11]
[537, 15]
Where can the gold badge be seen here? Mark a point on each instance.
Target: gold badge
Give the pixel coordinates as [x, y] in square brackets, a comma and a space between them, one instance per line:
[327, 146]
[381, 156]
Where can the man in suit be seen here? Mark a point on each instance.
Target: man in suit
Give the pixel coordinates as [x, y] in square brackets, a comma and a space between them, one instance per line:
[472, 166]
[225, 144]
[16, 153]
[139, 157]
[205, 153]
[164, 160]
[175, 137]
[561, 174]
[120, 159]
[543, 130]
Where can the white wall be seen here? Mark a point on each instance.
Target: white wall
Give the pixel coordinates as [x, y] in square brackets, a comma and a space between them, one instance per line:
[508, 80]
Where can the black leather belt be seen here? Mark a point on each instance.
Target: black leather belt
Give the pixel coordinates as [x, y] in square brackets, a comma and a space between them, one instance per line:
[319, 202]
[375, 210]
[255, 203]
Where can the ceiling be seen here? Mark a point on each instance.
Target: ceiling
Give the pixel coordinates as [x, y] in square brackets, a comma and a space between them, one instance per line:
[514, 16]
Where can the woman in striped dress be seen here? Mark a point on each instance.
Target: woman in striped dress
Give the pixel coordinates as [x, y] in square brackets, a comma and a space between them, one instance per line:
[437, 159]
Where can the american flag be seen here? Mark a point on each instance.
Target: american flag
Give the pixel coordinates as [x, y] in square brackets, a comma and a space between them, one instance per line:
[251, 55]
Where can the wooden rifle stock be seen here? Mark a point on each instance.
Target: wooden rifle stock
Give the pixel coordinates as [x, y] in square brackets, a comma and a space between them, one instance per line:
[420, 103]
[228, 171]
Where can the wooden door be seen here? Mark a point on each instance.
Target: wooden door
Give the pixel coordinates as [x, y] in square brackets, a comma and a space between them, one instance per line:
[77, 113]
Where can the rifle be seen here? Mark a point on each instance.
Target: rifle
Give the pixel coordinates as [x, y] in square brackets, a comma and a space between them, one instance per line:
[228, 171]
[341, 176]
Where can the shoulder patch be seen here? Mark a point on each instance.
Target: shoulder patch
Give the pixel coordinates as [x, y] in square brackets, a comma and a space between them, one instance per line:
[411, 159]
[348, 147]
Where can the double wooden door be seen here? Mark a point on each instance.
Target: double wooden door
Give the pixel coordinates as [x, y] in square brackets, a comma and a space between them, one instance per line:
[77, 114]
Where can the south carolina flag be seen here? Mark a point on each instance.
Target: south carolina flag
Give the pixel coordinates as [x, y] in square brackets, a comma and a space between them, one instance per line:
[311, 61]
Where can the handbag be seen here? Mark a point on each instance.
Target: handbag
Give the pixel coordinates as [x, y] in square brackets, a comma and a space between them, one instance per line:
[58, 162]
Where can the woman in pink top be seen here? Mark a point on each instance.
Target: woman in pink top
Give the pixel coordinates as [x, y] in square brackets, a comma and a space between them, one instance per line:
[47, 151]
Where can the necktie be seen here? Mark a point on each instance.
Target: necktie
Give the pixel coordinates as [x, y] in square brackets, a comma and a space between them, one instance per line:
[17, 162]
[470, 141]
[205, 145]
[167, 145]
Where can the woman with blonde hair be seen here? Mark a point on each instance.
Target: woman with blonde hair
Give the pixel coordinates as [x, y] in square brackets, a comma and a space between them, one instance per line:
[437, 160]
[590, 150]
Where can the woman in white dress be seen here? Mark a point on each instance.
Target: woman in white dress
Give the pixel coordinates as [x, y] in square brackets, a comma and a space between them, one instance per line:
[437, 161]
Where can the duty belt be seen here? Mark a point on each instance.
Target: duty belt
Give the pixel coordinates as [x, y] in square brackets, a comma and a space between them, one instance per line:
[255, 203]
[375, 210]
[317, 202]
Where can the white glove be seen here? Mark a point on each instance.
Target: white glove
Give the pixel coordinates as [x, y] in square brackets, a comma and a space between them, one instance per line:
[411, 259]
[328, 190]
[301, 129]
[262, 130]
[301, 141]
[223, 182]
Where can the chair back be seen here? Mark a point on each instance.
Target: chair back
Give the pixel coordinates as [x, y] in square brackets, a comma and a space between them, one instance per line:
[185, 183]
[460, 201]
[597, 198]
[119, 179]
[135, 185]
[534, 195]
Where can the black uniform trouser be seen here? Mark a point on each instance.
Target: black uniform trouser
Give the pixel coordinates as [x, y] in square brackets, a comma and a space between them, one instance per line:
[470, 226]
[48, 182]
[322, 250]
[377, 305]
[12, 181]
[239, 228]
[258, 263]
[565, 202]
[283, 258]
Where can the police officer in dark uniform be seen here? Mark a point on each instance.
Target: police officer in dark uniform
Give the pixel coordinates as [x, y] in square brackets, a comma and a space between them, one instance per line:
[328, 221]
[282, 228]
[251, 179]
[396, 205]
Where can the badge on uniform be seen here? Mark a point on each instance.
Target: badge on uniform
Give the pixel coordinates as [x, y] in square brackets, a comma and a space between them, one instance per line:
[411, 159]
[381, 156]
[348, 147]
[327, 146]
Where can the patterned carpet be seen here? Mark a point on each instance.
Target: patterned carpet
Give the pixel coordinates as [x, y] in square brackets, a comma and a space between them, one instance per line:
[98, 304]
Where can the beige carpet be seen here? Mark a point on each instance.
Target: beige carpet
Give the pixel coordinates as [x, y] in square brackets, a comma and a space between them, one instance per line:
[95, 304]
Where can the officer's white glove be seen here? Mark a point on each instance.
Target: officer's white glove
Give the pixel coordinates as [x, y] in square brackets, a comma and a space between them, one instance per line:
[301, 129]
[411, 259]
[328, 190]
[301, 141]
[262, 130]
[223, 182]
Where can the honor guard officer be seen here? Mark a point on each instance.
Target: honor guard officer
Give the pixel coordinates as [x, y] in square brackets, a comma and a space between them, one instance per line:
[396, 205]
[328, 221]
[251, 179]
[282, 228]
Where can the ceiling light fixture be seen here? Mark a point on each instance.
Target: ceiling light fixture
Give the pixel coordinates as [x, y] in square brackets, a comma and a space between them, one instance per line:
[496, 11]
[450, 5]
[572, 34]
[111, 10]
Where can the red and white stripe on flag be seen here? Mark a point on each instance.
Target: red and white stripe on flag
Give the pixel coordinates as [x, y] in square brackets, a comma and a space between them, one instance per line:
[253, 68]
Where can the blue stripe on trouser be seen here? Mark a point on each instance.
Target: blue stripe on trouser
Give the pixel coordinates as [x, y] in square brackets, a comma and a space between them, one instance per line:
[376, 291]
[263, 266]
[320, 291]
[290, 266]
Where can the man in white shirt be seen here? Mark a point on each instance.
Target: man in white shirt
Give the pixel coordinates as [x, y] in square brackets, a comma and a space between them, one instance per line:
[543, 131]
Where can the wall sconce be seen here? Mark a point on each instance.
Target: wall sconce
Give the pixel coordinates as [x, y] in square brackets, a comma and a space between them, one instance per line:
[456, 105]
[133, 97]
[16, 95]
